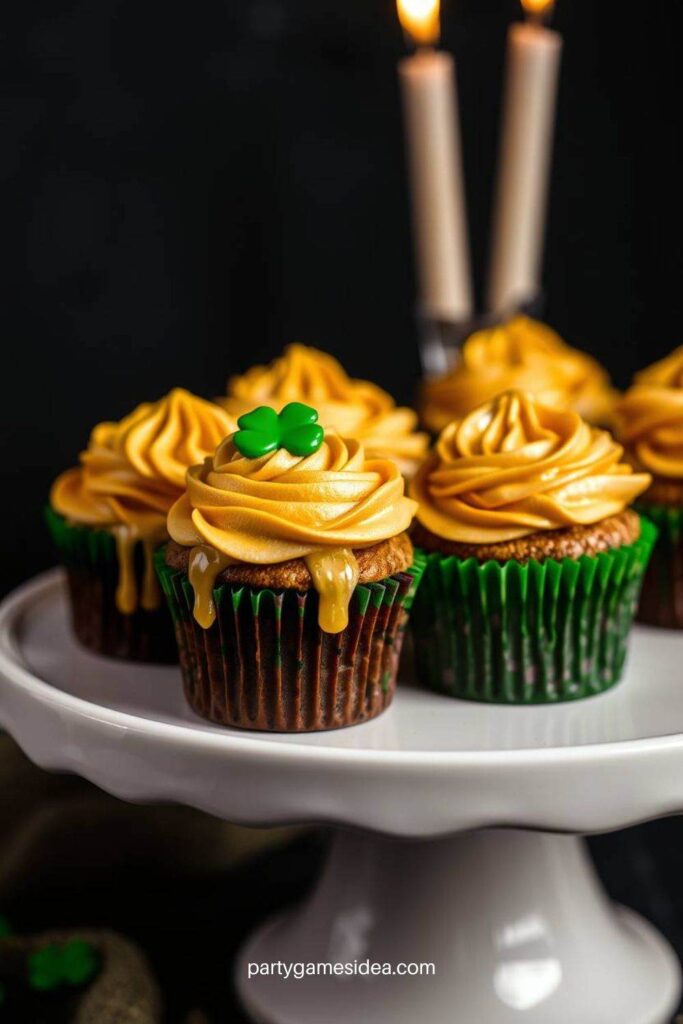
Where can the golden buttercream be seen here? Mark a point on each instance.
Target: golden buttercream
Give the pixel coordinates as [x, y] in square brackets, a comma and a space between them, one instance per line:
[649, 418]
[515, 466]
[281, 506]
[523, 354]
[132, 472]
[356, 408]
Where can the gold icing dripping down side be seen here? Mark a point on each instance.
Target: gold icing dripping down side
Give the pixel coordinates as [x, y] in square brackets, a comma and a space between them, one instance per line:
[335, 575]
[264, 511]
[127, 597]
[126, 590]
[131, 474]
[205, 565]
[150, 598]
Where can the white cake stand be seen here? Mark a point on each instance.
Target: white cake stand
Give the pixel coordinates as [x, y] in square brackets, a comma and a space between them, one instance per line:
[453, 860]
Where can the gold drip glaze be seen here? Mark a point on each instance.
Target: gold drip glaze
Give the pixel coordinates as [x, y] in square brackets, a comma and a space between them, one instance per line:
[335, 575]
[130, 475]
[127, 597]
[126, 590]
[205, 564]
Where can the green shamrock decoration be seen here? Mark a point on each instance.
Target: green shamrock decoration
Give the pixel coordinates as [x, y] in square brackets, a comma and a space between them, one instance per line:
[263, 431]
[74, 963]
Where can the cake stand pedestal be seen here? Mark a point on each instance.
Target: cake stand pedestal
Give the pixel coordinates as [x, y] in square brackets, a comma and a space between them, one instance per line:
[455, 844]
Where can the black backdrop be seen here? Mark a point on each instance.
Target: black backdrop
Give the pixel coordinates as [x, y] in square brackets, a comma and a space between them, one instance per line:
[186, 187]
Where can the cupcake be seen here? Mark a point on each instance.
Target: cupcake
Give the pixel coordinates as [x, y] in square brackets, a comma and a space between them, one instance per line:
[356, 408]
[108, 515]
[290, 574]
[523, 354]
[649, 422]
[534, 559]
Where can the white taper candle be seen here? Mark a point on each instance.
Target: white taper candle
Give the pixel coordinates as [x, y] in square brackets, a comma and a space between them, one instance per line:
[533, 60]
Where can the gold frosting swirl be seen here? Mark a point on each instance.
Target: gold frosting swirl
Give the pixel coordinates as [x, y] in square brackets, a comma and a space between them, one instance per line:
[132, 472]
[281, 506]
[523, 354]
[649, 418]
[356, 408]
[514, 467]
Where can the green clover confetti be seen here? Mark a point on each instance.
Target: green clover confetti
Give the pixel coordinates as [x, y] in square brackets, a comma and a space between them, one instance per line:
[263, 431]
[74, 963]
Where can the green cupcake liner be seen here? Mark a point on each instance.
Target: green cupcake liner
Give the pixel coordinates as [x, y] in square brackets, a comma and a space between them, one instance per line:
[532, 633]
[661, 599]
[81, 546]
[266, 664]
[91, 561]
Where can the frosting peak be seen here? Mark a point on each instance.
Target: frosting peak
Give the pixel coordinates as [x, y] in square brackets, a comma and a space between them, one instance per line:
[355, 408]
[134, 469]
[281, 506]
[649, 418]
[523, 354]
[514, 466]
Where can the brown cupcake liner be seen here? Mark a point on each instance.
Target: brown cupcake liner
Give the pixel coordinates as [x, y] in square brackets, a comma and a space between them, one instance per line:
[91, 563]
[661, 598]
[266, 665]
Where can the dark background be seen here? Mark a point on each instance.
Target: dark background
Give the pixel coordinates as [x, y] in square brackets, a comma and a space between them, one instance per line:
[187, 187]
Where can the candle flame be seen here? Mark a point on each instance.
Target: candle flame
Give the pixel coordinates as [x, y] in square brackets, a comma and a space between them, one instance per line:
[420, 20]
[538, 10]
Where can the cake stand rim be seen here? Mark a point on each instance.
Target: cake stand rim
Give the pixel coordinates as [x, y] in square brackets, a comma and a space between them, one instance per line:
[21, 678]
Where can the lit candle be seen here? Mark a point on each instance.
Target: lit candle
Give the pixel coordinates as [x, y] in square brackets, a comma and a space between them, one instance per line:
[533, 61]
[435, 164]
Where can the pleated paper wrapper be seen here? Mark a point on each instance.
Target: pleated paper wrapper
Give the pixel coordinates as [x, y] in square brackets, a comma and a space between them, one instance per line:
[265, 664]
[91, 563]
[532, 633]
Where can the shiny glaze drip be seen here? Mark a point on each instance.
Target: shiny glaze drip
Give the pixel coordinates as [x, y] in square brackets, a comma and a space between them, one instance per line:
[335, 574]
[205, 564]
[150, 598]
[127, 597]
[126, 589]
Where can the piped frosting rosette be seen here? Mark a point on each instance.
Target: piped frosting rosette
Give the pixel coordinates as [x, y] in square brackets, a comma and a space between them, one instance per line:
[280, 506]
[523, 354]
[649, 418]
[355, 408]
[131, 474]
[514, 467]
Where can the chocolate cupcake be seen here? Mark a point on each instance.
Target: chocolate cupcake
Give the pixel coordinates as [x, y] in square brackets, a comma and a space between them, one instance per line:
[108, 515]
[355, 408]
[533, 560]
[290, 575]
[649, 422]
[526, 355]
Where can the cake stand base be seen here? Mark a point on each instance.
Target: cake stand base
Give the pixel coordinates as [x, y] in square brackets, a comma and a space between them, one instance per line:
[515, 923]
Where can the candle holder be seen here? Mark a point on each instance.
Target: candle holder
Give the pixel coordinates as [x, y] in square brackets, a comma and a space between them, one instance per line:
[440, 340]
